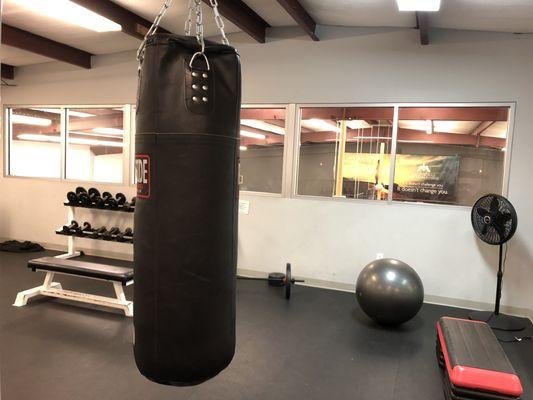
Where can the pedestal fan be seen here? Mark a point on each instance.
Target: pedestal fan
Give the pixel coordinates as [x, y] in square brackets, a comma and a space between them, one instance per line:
[494, 220]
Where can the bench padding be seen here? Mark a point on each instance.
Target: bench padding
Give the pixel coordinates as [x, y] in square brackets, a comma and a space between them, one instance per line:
[82, 268]
[475, 363]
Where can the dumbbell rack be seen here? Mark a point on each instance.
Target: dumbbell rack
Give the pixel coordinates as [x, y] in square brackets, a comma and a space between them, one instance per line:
[71, 216]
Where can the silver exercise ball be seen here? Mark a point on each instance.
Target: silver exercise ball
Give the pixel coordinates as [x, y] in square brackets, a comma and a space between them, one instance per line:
[389, 291]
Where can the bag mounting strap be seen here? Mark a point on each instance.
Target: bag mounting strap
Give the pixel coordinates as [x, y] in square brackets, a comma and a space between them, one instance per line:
[196, 7]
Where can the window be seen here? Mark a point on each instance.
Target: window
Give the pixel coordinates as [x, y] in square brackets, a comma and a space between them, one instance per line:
[95, 144]
[443, 155]
[261, 155]
[345, 152]
[34, 142]
[450, 155]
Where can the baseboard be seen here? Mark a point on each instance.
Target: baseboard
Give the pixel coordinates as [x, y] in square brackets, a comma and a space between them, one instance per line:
[318, 283]
[428, 298]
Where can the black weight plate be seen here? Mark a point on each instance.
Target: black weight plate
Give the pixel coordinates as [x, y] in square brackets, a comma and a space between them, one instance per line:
[72, 198]
[80, 189]
[121, 198]
[84, 199]
[276, 279]
[288, 282]
[93, 192]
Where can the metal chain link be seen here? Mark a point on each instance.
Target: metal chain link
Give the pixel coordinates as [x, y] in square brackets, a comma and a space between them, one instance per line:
[219, 21]
[153, 29]
[196, 6]
[199, 24]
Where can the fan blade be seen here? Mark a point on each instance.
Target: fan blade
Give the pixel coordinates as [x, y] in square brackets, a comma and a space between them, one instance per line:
[494, 205]
[503, 218]
[482, 212]
[501, 231]
[485, 229]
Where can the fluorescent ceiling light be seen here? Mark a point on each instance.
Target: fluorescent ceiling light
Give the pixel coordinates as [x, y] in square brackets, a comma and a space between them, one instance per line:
[372, 138]
[357, 124]
[71, 13]
[316, 124]
[243, 148]
[27, 120]
[109, 131]
[92, 134]
[418, 5]
[58, 111]
[56, 139]
[429, 127]
[264, 126]
[253, 135]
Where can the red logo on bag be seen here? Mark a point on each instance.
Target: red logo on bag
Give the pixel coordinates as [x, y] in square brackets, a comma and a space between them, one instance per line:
[142, 175]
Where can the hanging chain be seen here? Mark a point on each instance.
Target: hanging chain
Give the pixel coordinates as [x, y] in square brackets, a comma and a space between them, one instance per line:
[196, 7]
[199, 24]
[153, 29]
[219, 21]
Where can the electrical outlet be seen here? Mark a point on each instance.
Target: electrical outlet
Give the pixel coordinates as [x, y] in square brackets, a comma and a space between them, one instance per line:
[379, 256]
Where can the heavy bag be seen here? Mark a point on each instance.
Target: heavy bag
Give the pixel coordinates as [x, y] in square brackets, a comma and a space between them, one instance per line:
[185, 250]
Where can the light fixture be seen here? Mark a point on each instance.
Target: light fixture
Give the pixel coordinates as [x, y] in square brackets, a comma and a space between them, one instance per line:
[27, 120]
[72, 13]
[418, 5]
[58, 111]
[56, 139]
[357, 124]
[264, 126]
[317, 124]
[109, 131]
[253, 135]
[243, 148]
[429, 127]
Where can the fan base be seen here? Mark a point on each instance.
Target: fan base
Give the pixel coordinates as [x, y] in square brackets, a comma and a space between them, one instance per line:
[501, 321]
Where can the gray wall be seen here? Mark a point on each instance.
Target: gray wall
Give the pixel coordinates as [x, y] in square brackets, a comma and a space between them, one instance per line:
[330, 240]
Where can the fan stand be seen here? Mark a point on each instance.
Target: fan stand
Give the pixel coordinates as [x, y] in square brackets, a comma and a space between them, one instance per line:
[495, 319]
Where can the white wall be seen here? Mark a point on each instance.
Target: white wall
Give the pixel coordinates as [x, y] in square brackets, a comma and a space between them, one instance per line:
[324, 239]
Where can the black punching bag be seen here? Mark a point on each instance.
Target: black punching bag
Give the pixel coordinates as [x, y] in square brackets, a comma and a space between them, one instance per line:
[185, 252]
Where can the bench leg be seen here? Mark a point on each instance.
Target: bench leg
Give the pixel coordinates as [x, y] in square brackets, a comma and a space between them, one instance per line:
[53, 289]
[24, 296]
[121, 298]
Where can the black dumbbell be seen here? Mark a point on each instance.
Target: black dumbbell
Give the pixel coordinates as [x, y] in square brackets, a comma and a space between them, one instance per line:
[133, 201]
[97, 232]
[94, 196]
[121, 237]
[69, 228]
[83, 196]
[86, 230]
[73, 199]
[109, 201]
[110, 233]
[122, 202]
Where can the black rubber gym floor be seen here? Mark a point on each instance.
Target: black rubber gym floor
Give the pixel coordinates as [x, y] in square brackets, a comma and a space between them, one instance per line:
[318, 345]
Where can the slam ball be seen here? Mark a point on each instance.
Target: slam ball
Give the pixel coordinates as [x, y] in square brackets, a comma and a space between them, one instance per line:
[389, 291]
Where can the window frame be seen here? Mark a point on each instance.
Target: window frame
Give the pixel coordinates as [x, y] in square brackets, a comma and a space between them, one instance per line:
[396, 106]
[285, 192]
[127, 154]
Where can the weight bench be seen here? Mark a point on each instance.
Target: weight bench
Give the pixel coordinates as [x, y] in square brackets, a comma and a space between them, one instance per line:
[118, 276]
[473, 363]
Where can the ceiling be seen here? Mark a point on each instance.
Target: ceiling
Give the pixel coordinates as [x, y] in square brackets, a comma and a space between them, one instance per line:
[488, 15]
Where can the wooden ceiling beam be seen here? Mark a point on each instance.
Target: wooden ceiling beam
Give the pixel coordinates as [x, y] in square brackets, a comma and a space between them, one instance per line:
[422, 22]
[31, 42]
[8, 71]
[240, 14]
[482, 127]
[132, 24]
[301, 16]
